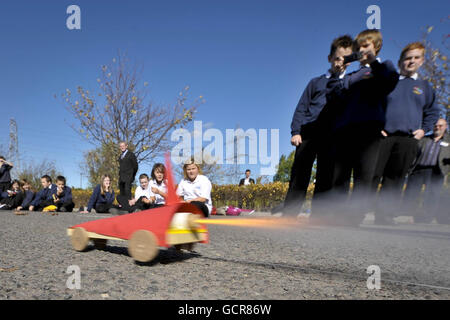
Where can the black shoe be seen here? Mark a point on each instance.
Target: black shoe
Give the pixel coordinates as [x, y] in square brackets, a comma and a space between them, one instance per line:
[63, 209]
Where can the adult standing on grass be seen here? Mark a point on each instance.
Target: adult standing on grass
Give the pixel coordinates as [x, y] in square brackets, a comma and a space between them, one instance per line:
[128, 168]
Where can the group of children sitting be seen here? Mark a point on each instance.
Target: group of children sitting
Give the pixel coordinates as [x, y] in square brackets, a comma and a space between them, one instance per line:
[195, 188]
[151, 193]
[20, 196]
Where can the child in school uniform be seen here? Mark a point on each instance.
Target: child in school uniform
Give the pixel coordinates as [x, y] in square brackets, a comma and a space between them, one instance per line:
[360, 98]
[5, 176]
[29, 196]
[143, 196]
[195, 188]
[102, 198]
[62, 196]
[411, 111]
[310, 136]
[13, 197]
[44, 197]
[158, 185]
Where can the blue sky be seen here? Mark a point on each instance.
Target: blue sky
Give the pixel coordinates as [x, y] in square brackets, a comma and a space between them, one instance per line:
[250, 60]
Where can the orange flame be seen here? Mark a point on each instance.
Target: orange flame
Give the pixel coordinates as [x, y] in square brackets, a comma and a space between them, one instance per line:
[255, 222]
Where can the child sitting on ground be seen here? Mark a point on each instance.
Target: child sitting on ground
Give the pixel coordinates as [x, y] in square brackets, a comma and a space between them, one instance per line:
[62, 196]
[102, 198]
[143, 197]
[158, 185]
[12, 198]
[28, 196]
[43, 197]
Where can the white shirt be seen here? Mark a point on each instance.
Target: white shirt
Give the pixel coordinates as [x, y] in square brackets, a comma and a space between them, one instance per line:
[341, 75]
[247, 181]
[139, 192]
[199, 188]
[415, 76]
[368, 65]
[162, 187]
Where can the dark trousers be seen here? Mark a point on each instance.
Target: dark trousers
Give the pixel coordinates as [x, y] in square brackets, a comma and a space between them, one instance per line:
[68, 206]
[313, 146]
[43, 204]
[321, 205]
[433, 180]
[104, 207]
[397, 153]
[125, 189]
[356, 152]
[202, 206]
[123, 201]
[12, 202]
[4, 186]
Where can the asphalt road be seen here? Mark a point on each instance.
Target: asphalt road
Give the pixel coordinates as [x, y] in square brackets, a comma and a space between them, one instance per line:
[303, 262]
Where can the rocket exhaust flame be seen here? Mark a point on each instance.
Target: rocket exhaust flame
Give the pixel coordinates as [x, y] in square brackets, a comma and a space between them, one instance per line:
[275, 223]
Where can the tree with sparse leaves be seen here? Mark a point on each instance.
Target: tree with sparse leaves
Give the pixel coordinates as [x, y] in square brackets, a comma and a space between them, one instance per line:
[32, 172]
[435, 68]
[100, 161]
[121, 111]
[283, 173]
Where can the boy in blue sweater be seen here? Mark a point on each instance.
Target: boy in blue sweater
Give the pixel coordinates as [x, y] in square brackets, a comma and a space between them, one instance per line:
[308, 131]
[360, 118]
[62, 196]
[411, 111]
[44, 197]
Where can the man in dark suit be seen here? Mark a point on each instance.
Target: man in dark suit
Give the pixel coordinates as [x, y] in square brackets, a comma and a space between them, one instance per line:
[128, 168]
[247, 180]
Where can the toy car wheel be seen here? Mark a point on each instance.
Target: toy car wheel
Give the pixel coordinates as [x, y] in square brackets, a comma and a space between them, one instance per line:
[100, 243]
[143, 246]
[79, 239]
